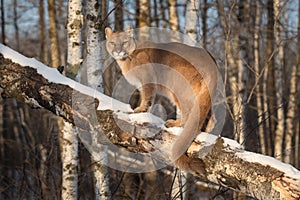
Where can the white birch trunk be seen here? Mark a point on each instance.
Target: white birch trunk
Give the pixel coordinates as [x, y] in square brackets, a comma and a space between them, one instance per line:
[69, 140]
[74, 39]
[69, 156]
[93, 59]
[191, 21]
[94, 65]
[278, 57]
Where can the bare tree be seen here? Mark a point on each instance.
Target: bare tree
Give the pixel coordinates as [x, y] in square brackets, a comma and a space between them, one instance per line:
[204, 22]
[191, 15]
[94, 65]
[297, 126]
[93, 62]
[268, 88]
[260, 97]
[119, 22]
[291, 116]
[69, 133]
[173, 16]
[144, 13]
[278, 58]
[16, 25]
[3, 22]
[42, 27]
[239, 106]
[74, 38]
[53, 34]
[235, 67]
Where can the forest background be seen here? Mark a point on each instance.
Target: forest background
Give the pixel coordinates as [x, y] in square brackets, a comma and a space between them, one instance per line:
[255, 43]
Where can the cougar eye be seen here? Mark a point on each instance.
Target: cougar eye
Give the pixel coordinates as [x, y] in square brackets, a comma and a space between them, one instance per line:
[112, 43]
[125, 42]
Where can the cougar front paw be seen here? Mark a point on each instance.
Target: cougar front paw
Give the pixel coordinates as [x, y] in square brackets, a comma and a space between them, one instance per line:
[140, 109]
[173, 123]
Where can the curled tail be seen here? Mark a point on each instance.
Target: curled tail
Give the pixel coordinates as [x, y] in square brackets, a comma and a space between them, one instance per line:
[194, 123]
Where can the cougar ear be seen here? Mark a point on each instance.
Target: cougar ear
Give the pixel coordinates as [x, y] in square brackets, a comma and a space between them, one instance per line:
[129, 31]
[108, 32]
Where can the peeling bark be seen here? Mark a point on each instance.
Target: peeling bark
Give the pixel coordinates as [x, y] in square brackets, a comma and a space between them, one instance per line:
[222, 164]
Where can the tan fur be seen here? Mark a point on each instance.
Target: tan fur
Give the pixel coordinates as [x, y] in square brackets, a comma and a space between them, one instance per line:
[178, 65]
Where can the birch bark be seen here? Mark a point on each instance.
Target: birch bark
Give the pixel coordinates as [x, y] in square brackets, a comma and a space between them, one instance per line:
[70, 135]
[93, 59]
[74, 38]
[69, 155]
[94, 65]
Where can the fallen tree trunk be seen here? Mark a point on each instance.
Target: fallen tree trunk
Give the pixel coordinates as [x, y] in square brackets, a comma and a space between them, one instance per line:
[222, 161]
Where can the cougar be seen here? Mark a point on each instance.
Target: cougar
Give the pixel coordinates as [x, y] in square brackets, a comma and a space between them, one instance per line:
[186, 75]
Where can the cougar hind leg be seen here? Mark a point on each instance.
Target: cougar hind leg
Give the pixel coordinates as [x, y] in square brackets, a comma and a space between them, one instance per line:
[211, 123]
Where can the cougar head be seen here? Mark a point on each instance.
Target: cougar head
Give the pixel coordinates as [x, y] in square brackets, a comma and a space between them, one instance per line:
[120, 44]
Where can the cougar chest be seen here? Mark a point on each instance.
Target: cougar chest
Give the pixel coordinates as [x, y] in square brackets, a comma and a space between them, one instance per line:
[131, 74]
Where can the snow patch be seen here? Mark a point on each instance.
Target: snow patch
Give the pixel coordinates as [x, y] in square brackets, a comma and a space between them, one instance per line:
[206, 139]
[145, 117]
[174, 130]
[231, 144]
[288, 169]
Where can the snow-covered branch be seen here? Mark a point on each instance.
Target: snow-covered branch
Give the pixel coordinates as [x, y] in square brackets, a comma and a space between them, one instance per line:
[220, 160]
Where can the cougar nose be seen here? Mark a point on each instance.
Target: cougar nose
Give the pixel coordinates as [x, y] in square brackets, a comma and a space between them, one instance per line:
[118, 50]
